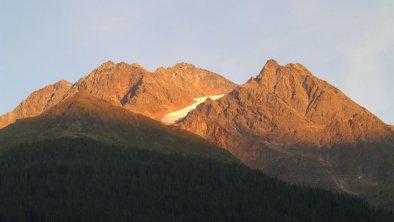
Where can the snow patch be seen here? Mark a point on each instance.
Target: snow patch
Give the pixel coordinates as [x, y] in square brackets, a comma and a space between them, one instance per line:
[173, 117]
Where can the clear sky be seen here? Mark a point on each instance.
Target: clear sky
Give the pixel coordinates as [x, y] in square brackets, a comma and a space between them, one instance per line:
[347, 43]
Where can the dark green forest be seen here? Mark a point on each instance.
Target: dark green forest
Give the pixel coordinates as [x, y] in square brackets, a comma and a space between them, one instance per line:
[83, 180]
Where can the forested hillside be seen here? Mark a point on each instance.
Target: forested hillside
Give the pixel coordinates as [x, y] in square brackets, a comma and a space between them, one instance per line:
[83, 180]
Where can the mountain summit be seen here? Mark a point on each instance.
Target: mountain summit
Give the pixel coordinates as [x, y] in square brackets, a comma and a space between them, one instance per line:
[285, 121]
[152, 94]
[293, 125]
[37, 102]
[132, 87]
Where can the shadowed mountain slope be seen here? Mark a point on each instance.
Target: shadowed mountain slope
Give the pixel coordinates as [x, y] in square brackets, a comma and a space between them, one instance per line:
[84, 180]
[85, 116]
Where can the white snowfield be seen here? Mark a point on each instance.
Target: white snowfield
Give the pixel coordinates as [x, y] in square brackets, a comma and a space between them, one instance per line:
[171, 118]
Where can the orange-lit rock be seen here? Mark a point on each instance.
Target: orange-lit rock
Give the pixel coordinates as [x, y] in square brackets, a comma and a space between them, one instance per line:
[37, 102]
[293, 125]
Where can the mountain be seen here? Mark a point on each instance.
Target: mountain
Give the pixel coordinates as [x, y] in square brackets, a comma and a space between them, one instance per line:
[85, 116]
[152, 94]
[294, 126]
[132, 87]
[37, 102]
[83, 180]
[86, 159]
[285, 121]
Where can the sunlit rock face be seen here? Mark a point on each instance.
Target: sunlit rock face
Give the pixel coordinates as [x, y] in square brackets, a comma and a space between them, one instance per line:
[293, 125]
[153, 94]
[37, 102]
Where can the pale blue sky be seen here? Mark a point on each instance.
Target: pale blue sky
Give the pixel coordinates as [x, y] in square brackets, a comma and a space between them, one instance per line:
[347, 43]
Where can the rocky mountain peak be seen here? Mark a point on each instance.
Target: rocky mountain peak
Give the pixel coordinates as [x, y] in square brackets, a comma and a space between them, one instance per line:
[272, 71]
[110, 67]
[62, 83]
[270, 66]
[132, 87]
[107, 64]
[37, 102]
[174, 88]
[286, 120]
[177, 69]
[290, 101]
[110, 81]
[184, 65]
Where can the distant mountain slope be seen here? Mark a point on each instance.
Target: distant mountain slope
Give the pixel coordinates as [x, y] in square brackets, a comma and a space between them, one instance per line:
[293, 125]
[286, 122]
[85, 116]
[37, 102]
[83, 180]
[152, 94]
